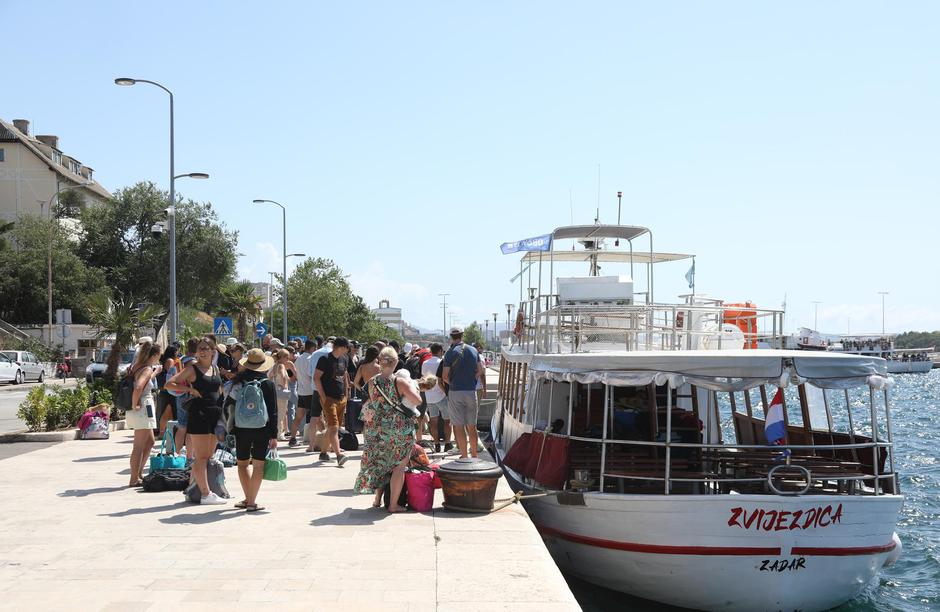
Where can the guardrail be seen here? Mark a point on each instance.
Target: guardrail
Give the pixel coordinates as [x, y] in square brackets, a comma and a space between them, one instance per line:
[573, 328]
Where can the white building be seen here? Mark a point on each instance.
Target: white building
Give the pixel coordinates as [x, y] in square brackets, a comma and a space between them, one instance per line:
[32, 168]
[390, 317]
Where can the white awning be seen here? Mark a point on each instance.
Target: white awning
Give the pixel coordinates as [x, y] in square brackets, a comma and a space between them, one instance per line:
[590, 232]
[639, 257]
[717, 370]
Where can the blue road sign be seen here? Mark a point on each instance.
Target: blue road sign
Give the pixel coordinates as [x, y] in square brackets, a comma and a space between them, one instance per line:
[301, 338]
[261, 329]
[222, 326]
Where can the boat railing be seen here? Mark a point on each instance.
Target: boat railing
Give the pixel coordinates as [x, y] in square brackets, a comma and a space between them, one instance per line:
[550, 327]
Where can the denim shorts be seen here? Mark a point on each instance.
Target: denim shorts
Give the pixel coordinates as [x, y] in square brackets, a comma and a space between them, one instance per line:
[182, 417]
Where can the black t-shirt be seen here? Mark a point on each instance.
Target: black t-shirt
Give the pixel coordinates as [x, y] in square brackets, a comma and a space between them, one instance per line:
[334, 370]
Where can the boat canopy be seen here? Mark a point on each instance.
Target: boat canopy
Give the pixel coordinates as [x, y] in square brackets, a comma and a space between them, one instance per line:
[590, 232]
[716, 370]
[638, 257]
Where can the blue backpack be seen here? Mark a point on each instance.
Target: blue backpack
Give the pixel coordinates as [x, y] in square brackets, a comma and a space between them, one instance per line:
[250, 409]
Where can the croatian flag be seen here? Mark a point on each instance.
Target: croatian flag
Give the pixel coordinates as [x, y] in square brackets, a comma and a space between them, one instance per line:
[774, 428]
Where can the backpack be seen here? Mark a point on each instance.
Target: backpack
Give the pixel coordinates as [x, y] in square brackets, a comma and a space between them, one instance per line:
[216, 474]
[250, 409]
[348, 440]
[125, 392]
[414, 363]
[440, 369]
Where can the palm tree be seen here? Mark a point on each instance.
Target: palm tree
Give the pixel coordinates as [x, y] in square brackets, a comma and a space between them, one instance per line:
[121, 319]
[240, 301]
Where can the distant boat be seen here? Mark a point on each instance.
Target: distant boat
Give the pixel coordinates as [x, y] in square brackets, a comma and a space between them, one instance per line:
[900, 361]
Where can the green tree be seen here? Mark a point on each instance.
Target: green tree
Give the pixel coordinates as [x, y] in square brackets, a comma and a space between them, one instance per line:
[24, 272]
[5, 228]
[68, 204]
[238, 300]
[117, 238]
[473, 334]
[912, 339]
[119, 319]
[320, 301]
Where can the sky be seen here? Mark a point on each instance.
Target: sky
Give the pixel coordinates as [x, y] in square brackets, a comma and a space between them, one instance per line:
[792, 147]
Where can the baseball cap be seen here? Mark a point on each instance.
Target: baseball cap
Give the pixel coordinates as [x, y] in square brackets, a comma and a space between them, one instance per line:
[231, 340]
[455, 330]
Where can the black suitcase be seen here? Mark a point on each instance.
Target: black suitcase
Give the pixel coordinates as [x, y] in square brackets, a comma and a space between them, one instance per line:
[353, 409]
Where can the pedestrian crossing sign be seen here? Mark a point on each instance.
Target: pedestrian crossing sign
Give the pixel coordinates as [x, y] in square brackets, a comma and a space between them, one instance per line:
[222, 327]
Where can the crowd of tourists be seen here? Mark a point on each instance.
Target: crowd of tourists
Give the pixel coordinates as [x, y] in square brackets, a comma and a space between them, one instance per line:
[210, 395]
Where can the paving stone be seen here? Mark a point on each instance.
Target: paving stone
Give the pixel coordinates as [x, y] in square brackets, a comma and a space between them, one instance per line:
[316, 547]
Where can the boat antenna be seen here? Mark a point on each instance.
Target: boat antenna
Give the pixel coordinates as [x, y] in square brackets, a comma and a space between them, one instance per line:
[597, 217]
[571, 207]
[619, 196]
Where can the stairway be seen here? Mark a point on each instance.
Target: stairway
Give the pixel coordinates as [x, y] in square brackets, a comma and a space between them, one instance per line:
[8, 330]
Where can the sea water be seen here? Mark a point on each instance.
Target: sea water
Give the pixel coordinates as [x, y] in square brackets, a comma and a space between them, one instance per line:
[913, 583]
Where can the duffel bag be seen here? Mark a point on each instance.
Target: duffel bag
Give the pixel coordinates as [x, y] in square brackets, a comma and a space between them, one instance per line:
[166, 480]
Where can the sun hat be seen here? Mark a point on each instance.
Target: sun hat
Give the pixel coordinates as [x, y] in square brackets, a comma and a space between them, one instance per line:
[231, 340]
[407, 348]
[257, 361]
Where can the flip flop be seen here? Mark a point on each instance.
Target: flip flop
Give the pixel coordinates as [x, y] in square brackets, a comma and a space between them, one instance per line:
[253, 508]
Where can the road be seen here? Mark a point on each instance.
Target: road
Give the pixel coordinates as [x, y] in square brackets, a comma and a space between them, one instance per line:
[10, 398]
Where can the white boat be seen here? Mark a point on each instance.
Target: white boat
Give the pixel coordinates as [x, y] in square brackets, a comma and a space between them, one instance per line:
[899, 361]
[636, 430]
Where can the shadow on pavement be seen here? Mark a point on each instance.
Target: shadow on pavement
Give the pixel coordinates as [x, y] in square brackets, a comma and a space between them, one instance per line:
[352, 516]
[86, 492]
[202, 518]
[339, 493]
[96, 459]
[135, 511]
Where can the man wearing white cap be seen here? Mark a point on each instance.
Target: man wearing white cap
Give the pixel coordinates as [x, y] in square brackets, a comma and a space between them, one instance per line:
[462, 370]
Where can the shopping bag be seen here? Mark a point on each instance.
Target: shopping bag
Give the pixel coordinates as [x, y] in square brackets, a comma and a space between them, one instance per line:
[274, 467]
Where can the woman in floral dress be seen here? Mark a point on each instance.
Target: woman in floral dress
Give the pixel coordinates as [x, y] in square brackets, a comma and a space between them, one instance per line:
[389, 435]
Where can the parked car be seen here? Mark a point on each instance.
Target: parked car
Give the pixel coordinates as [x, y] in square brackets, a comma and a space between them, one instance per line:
[28, 367]
[8, 369]
[97, 368]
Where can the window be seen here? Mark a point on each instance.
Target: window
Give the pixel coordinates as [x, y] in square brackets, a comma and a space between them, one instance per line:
[56, 156]
[1, 155]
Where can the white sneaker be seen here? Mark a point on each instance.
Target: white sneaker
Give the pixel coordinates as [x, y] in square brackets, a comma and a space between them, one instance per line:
[212, 500]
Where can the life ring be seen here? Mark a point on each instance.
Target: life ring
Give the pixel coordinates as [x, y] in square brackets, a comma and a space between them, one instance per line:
[520, 323]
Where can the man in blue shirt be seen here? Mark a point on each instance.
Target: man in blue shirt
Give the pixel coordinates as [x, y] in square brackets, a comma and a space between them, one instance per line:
[462, 371]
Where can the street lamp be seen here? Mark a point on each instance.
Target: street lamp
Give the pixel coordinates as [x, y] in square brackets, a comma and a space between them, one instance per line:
[444, 306]
[883, 294]
[284, 250]
[508, 315]
[171, 213]
[816, 315]
[48, 205]
[495, 334]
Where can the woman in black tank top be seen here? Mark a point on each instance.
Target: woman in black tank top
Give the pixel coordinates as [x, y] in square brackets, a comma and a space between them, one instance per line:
[204, 384]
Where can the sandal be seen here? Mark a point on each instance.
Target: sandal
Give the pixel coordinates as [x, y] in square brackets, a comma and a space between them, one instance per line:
[253, 508]
[243, 504]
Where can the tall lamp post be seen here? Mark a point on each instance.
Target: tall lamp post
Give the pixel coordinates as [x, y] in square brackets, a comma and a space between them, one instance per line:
[883, 294]
[816, 315]
[508, 315]
[48, 205]
[495, 334]
[444, 306]
[284, 250]
[171, 212]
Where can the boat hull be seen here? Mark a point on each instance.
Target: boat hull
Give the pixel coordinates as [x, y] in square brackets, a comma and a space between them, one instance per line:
[720, 552]
[909, 367]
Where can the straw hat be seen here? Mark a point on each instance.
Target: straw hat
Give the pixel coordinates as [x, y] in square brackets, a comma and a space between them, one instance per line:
[257, 361]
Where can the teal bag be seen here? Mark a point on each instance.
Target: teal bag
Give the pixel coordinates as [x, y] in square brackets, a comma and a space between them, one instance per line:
[164, 461]
[274, 467]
